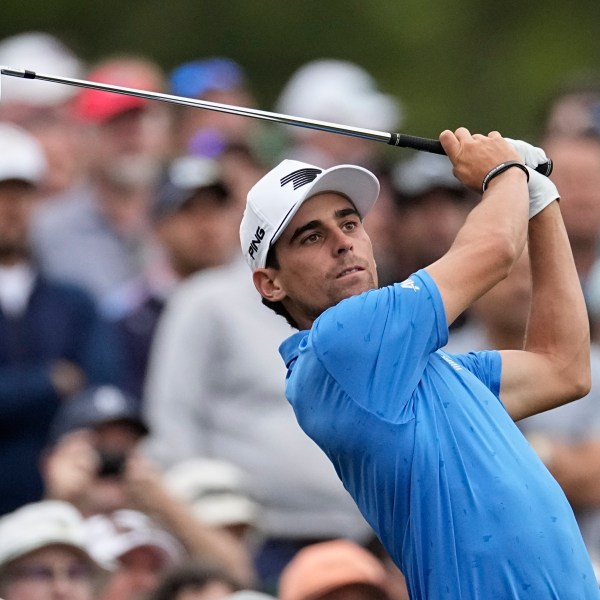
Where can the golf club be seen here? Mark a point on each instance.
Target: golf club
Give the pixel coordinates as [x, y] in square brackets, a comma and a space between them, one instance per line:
[393, 139]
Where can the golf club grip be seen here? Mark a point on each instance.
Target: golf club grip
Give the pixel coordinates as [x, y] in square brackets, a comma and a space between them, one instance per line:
[435, 147]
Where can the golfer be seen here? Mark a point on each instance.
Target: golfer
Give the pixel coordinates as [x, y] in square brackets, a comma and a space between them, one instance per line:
[424, 441]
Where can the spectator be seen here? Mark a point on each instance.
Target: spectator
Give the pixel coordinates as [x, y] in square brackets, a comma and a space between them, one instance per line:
[195, 581]
[207, 132]
[91, 439]
[195, 221]
[98, 236]
[53, 341]
[217, 491]
[95, 464]
[241, 145]
[138, 550]
[574, 108]
[215, 389]
[429, 207]
[577, 174]
[334, 570]
[341, 92]
[44, 554]
[42, 107]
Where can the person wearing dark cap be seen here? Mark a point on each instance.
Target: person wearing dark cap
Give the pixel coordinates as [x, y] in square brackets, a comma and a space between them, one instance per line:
[429, 206]
[194, 215]
[206, 132]
[93, 463]
[91, 438]
[194, 218]
[53, 340]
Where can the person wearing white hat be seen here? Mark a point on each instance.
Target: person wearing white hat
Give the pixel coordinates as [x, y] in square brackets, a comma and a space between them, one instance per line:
[137, 548]
[41, 107]
[337, 91]
[53, 339]
[424, 441]
[217, 492]
[44, 554]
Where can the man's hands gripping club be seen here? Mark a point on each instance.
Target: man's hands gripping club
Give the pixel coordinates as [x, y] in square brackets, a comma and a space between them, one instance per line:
[469, 153]
[474, 156]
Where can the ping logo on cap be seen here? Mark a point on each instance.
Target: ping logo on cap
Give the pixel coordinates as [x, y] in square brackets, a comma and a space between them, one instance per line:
[300, 177]
[258, 237]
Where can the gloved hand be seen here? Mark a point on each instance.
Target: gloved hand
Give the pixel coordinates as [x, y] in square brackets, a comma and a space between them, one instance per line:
[541, 192]
[532, 156]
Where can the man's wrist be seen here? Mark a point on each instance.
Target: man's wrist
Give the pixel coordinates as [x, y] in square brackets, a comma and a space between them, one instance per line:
[502, 168]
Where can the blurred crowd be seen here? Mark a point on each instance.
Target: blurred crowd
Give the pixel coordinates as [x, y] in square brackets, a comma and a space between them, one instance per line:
[147, 447]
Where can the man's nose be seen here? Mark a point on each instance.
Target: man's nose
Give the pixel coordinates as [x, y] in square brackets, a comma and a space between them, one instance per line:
[342, 243]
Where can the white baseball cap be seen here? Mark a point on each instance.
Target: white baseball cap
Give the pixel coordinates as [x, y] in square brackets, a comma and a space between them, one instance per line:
[41, 524]
[21, 155]
[215, 489]
[110, 536]
[276, 198]
[43, 52]
[329, 89]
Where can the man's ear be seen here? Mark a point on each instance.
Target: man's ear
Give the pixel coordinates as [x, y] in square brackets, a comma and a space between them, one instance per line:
[266, 281]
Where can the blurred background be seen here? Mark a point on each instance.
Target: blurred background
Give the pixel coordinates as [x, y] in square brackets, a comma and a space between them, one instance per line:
[479, 64]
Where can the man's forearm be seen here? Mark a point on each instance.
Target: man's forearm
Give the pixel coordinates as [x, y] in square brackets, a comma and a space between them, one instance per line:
[558, 322]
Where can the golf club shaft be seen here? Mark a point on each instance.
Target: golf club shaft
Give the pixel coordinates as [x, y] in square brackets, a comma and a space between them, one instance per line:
[393, 139]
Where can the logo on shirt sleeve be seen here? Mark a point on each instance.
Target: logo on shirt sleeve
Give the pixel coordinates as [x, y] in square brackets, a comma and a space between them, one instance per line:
[409, 284]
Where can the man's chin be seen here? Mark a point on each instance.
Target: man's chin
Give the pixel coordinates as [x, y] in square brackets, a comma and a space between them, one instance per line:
[354, 288]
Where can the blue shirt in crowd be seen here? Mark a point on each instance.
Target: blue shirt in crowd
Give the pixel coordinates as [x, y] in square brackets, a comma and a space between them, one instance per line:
[427, 450]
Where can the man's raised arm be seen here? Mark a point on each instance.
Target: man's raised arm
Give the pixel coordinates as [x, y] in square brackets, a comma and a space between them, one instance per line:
[555, 365]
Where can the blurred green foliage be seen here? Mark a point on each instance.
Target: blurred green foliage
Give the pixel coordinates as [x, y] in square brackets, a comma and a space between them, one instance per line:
[486, 65]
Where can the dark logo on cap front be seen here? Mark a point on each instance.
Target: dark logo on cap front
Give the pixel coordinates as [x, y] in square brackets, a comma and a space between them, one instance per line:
[300, 177]
[258, 237]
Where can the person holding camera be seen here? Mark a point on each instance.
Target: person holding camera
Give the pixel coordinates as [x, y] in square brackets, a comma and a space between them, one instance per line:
[93, 463]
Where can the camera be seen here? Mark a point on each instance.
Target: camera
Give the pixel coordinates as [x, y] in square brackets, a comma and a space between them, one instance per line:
[111, 463]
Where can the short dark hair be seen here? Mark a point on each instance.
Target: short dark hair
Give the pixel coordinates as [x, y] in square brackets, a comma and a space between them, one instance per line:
[193, 574]
[273, 263]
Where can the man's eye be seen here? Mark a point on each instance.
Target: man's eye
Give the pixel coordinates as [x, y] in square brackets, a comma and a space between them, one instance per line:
[309, 239]
[350, 225]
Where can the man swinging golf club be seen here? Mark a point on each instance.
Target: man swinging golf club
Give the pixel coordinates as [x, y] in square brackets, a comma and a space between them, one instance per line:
[424, 441]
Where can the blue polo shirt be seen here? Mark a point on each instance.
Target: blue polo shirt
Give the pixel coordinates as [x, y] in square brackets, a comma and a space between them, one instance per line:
[425, 447]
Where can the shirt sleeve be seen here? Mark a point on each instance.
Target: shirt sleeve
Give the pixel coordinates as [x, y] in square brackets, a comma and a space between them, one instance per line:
[485, 365]
[382, 339]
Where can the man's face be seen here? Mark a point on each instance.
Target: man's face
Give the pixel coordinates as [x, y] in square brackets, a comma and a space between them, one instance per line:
[324, 256]
[51, 573]
[202, 234]
[577, 176]
[128, 148]
[16, 203]
[138, 574]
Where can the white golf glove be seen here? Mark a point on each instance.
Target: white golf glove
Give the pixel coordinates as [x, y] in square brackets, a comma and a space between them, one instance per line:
[532, 156]
[541, 192]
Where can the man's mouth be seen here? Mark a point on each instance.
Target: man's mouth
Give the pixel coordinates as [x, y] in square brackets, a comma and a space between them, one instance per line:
[349, 271]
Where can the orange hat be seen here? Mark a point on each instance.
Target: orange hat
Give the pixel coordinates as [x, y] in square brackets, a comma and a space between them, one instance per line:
[98, 106]
[321, 568]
